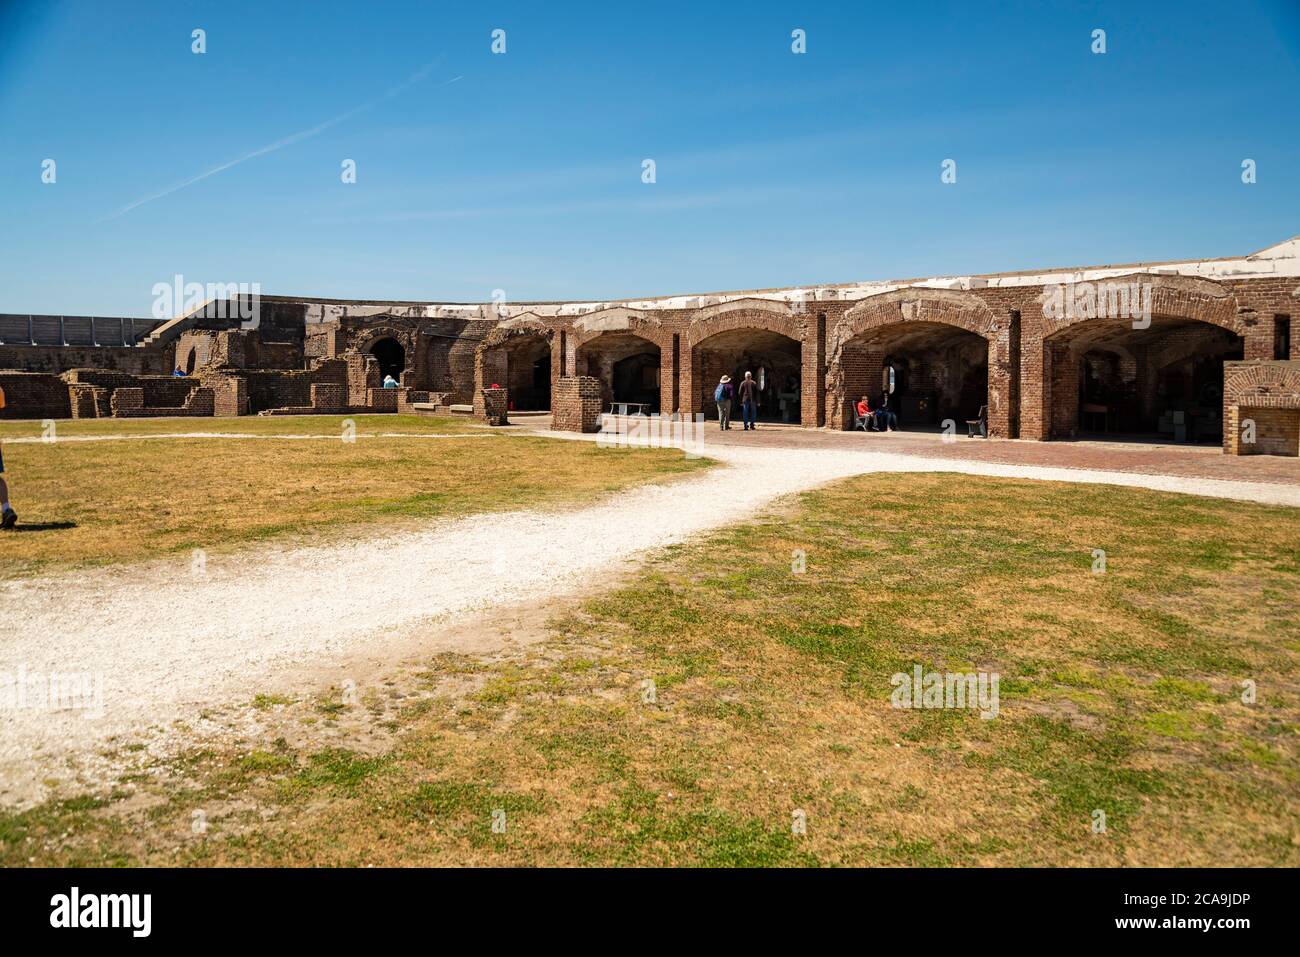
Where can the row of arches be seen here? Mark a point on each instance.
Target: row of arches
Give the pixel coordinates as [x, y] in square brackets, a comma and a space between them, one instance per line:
[938, 356]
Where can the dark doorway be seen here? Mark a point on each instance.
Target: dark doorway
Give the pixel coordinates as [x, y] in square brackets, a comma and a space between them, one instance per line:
[774, 360]
[391, 356]
[627, 366]
[1162, 382]
[636, 379]
[930, 373]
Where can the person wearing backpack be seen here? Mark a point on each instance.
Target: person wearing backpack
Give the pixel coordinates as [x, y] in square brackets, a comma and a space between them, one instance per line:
[722, 395]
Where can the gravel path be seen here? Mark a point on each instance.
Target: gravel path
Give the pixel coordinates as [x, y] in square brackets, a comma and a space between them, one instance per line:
[162, 641]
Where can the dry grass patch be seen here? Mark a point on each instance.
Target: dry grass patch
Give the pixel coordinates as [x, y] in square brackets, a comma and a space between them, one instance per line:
[1120, 692]
[120, 501]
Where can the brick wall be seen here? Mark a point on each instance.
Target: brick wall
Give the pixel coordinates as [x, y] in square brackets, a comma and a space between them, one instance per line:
[1267, 395]
[576, 405]
[32, 395]
[89, 401]
[130, 403]
[136, 361]
[230, 395]
[382, 400]
[407, 399]
[328, 397]
[1277, 431]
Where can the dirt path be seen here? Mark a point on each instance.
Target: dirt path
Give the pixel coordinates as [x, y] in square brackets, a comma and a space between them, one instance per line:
[157, 644]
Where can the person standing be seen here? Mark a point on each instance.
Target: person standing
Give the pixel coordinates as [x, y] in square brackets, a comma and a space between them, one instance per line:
[8, 517]
[749, 401]
[722, 395]
[886, 419]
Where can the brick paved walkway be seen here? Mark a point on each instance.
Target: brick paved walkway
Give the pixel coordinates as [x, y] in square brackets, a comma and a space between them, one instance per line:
[1183, 461]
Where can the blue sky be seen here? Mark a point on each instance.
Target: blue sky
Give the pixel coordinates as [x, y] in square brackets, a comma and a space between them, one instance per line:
[522, 171]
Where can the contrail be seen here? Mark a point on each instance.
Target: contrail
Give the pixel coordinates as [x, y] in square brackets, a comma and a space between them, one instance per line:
[298, 137]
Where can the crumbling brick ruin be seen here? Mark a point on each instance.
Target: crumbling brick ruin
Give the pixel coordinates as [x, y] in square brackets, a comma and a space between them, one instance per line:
[1139, 349]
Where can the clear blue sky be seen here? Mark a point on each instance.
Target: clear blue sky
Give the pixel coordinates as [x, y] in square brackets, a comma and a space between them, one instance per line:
[522, 171]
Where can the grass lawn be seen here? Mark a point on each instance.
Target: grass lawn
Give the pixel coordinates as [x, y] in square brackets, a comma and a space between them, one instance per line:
[244, 425]
[89, 502]
[1120, 692]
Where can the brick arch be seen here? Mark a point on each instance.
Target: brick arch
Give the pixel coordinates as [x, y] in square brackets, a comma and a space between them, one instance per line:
[641, 327]
[1173, 297]
[1050, 367]
[490, 360]
[366, 338]
[745, 314]
[740, 316]
[1266, 392]
[914, 307]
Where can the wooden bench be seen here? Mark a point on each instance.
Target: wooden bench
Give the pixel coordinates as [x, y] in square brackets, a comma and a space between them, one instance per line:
[979, 424]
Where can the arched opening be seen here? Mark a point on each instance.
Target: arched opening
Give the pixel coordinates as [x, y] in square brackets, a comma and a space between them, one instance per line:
[626, 365]
[927, 371]
[190, 360]
[775, 360]
[391, 357]
[528, 373]
[520, 363]
[1159, 383]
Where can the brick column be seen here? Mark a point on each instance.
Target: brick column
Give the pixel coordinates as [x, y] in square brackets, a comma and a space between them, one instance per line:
[577, 404]
[1035, 389]
[494, 406]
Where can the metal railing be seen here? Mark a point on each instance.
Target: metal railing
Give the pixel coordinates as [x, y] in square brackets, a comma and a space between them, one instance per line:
[25, 329]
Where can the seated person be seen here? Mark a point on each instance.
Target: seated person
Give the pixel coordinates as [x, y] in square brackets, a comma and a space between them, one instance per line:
[390, 382]
[864, 409]
[886, 420]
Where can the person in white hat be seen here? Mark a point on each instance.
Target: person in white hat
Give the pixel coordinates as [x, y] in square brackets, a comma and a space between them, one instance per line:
[722, 395]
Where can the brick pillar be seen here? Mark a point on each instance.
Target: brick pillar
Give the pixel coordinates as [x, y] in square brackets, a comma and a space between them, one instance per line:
[812, 376]
[690, 383]
[677, 375]
[491, 367]
[1013, 374]
[667, 376]
[494, 406]
[577, 404]
[1000, 379]
[1035, 376]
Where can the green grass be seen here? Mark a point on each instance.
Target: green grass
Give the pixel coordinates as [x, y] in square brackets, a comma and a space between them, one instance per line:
[1119, 693]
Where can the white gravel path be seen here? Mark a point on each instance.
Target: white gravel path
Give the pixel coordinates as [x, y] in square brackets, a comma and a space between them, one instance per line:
[165, 642]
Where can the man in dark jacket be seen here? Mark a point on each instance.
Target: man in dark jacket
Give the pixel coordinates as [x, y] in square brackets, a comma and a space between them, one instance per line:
[749, 401]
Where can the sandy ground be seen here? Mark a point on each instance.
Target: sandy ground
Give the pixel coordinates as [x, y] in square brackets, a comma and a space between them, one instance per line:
[156, 646]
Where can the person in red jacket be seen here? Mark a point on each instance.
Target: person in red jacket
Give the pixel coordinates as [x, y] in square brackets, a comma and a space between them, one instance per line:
[864, 408]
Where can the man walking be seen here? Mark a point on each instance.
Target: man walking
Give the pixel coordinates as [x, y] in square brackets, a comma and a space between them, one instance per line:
[722, 395]
[749, 401]
[8, 517]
